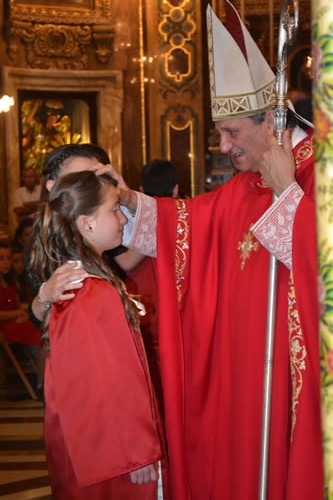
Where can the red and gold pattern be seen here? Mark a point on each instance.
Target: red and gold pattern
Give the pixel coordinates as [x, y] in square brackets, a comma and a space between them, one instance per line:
[247, 246]
[182, 246]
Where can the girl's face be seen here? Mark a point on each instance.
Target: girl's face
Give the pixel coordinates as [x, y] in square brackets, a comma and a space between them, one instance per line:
[104, 229]
[5, 260]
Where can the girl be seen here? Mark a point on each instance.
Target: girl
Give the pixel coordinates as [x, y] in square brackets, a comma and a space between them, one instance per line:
[62, 160]
[100, 421]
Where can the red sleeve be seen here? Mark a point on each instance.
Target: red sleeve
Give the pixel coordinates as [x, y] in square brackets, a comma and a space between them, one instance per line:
[101, 387]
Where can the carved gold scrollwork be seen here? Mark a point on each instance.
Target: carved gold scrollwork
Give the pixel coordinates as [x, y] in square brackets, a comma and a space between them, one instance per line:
[63, 47]
[103, 37]
[59, 37]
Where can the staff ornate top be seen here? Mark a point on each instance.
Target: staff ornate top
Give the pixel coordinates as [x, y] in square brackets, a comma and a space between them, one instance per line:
[287, 32]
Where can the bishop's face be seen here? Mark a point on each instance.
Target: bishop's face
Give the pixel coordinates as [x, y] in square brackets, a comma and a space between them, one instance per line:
[245, 140]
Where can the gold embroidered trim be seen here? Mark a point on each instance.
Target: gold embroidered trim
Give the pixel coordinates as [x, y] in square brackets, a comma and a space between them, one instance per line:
[182, 246]
[305, 152]
[224, 106]
[297, 351]
[247, 246]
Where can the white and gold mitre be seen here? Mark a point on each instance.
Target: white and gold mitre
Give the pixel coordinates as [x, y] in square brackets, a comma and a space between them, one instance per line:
[241, 81]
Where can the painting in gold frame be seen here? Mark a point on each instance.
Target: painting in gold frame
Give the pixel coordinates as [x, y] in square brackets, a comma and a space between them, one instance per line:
[48, 120]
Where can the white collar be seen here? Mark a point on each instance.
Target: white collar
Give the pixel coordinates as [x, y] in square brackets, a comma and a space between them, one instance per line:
[298, 135]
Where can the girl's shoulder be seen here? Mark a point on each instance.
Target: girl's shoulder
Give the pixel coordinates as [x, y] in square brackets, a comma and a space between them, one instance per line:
[97, 298]
[96, 289]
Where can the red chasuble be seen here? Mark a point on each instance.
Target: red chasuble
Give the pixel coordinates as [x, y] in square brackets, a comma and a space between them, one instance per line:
[100, 420]
[213, 283]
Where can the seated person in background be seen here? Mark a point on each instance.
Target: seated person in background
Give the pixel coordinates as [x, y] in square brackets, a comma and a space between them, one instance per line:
[26, 197]
[21, 277]
[14, 322]
[23, 233]
[20, 244]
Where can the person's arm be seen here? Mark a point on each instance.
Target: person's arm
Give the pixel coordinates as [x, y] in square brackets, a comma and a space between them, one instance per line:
[27, 208]
[14, 314]
[274, 229]
[57, 288]
[129, 260]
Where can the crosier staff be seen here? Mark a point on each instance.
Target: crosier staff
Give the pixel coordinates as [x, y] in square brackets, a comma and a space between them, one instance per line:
[287, 32]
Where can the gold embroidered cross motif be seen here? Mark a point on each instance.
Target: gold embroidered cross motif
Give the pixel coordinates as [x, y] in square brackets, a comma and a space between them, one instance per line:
[248, 245]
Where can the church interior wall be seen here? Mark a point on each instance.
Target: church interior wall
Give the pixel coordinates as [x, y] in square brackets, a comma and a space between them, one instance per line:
[158, 49]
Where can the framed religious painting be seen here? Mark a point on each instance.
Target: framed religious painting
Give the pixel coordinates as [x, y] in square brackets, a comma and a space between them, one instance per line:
[55, 107]
[51, 119]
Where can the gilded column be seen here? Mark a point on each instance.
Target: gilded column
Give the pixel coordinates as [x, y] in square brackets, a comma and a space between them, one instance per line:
[175, 89]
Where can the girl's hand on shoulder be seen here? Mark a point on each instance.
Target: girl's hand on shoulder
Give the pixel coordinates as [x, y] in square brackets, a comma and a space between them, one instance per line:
[60, 285]
[146, 474]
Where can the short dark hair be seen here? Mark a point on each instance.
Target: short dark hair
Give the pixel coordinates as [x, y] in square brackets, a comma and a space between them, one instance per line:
[55, 159]
[292, 120]
[159, 178]
[259, 117]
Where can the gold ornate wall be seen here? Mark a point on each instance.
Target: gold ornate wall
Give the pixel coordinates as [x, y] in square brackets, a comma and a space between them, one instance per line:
[58, 34]
[159, 47]
[175, 89]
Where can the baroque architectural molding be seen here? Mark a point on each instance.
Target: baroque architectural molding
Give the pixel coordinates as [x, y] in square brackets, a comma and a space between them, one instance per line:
[59, 37]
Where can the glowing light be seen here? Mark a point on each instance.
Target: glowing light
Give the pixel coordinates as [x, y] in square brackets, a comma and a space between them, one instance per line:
[6, 103]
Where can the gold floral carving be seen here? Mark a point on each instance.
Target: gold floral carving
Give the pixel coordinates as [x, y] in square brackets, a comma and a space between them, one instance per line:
[59, 37]
[182, 246]
[297, 351]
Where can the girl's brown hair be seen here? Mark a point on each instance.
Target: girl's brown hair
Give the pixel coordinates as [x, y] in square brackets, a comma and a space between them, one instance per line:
[59, 240]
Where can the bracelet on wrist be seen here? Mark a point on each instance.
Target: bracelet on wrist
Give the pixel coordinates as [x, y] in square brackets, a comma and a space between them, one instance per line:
[45, 303]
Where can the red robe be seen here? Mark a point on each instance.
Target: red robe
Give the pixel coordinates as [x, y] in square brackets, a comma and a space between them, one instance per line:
[100, 420]
[213, 281]
[141, 281]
